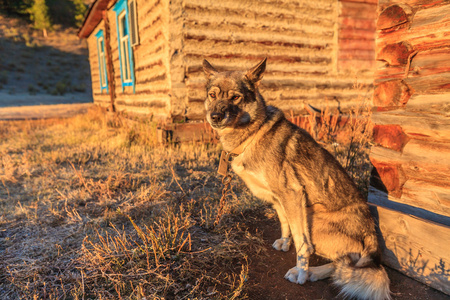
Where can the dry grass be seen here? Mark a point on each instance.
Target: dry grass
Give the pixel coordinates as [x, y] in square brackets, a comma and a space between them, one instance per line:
[92, 208]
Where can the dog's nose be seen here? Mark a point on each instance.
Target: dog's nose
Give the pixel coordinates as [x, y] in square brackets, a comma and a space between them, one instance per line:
[217, 117]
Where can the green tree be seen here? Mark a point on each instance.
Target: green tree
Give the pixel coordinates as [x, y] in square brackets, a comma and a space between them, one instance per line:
[40, 16]
[80, 10]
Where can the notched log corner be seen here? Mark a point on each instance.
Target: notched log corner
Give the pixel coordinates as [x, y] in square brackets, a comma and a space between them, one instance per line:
[394, 16]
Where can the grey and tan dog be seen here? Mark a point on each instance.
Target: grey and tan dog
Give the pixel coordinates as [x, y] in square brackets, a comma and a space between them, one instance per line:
[318, 205]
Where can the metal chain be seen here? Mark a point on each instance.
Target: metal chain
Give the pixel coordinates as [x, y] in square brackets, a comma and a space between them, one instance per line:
[226, 180]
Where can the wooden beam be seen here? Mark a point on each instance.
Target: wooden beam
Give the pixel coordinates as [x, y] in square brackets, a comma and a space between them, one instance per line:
[414, 246]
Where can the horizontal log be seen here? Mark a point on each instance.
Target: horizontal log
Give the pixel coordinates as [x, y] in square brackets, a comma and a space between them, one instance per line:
[426, 195]
[434, 16]
[381, 198]
[357, 44]
[356, 54]
[323, 9]
[355, 33]
[414, 246]
[412, 164]
[416, 124]
[360, 65]
[430, 103]
[432, 84]
[430, 62]
[359, 10]
[415, 4]
[352, 22]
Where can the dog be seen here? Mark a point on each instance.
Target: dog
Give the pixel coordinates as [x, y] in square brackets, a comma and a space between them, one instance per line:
[318, 205]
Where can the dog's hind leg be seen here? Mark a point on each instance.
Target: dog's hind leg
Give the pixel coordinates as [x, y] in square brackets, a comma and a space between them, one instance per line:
[295, 209]
[284, 242]
[321, 272]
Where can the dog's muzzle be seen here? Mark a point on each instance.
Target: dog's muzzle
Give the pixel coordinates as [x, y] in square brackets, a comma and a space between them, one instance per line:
[217, 118]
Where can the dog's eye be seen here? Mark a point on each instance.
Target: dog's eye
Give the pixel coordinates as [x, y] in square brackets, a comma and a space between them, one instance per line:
[235, 97]
[212, 95]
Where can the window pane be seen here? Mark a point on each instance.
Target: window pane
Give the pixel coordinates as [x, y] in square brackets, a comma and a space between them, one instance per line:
[124, 26]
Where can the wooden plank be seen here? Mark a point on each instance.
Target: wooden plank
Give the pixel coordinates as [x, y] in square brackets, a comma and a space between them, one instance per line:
[415, 247]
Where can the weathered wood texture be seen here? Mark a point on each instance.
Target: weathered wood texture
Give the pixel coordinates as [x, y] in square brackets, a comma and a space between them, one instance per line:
[415, 246]
[312, 47]
[412, 135]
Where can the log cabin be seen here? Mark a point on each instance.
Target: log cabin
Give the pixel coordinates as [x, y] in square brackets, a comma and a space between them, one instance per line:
[410, 184]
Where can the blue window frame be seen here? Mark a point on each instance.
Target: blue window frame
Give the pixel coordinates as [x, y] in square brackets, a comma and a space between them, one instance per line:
[123, 39]
[102, 61]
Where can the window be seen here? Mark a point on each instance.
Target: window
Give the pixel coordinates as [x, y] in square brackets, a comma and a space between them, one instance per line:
[124, 42]
[102, 61]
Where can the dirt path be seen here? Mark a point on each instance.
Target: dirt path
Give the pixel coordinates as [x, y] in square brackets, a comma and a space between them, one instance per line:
[43, 111]
[266, 276]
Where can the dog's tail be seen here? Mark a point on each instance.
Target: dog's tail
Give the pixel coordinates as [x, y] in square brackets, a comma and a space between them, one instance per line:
[360, 278]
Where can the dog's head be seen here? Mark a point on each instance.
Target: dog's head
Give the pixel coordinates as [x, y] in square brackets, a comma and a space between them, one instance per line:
[232, 99]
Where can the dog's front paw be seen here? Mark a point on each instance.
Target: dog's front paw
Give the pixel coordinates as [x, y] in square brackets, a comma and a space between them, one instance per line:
[282, 244]
[297, 275]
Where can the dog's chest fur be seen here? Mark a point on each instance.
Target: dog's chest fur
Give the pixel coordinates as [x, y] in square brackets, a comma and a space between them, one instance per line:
[256, 180]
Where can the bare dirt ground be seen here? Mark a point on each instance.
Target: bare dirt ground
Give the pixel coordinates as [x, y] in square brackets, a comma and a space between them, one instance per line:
[266, 275]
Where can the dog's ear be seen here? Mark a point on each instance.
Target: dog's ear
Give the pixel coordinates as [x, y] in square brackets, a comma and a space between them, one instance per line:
[208, 69]
[255, 74]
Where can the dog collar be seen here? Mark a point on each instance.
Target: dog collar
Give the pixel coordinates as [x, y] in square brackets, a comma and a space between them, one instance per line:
[224, 160]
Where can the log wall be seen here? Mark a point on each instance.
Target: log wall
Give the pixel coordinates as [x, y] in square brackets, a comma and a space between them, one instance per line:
[311, 57]
[412, 132]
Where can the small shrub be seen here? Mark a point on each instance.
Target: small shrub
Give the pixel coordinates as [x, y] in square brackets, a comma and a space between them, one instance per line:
[3, 77]
[81, 88]
[32, 90]
[60, 88]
